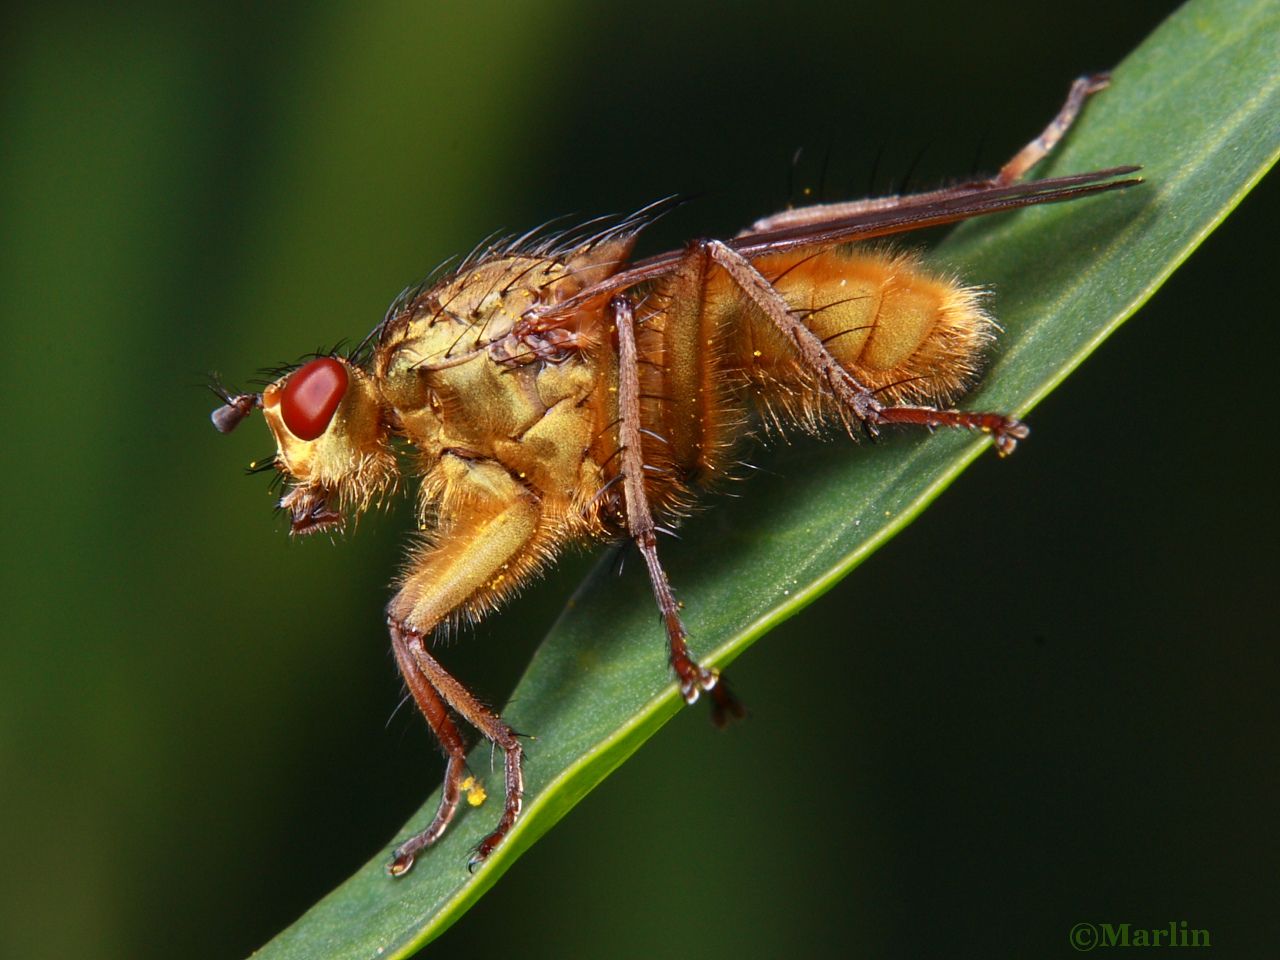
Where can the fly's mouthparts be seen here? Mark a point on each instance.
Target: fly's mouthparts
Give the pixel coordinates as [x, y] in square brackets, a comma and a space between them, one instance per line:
[228, 416]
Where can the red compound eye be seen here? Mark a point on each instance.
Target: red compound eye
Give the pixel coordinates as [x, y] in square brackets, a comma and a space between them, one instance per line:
[311, 394]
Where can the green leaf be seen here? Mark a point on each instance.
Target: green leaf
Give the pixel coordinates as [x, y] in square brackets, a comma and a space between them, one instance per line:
[1196, 105]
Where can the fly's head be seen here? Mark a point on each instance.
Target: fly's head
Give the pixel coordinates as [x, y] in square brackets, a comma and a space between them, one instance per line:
[332, 440]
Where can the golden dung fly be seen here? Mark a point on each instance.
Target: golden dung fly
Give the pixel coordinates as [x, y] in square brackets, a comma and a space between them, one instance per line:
[549, 392]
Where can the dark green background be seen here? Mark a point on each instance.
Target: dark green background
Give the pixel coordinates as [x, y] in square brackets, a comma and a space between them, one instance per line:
[1050, 700]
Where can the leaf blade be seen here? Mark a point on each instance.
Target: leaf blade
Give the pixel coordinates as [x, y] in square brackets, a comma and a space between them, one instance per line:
[598, 687]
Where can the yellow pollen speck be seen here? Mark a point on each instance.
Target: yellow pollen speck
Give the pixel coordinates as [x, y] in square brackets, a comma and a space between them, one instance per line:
[757, 353]
[475, 792]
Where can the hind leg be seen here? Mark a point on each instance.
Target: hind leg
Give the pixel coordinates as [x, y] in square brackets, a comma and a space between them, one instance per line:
[855, 398]
[1011, 172]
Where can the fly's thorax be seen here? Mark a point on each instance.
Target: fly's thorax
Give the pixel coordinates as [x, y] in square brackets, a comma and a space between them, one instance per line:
[446, 390]
[478, 306]
[331, 439]
[468, 382]
[495, 293]
[458, 373]
[535, 419]
[406, 380]
[433, 363]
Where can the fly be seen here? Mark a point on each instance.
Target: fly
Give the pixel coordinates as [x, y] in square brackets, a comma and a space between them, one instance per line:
[548, 392]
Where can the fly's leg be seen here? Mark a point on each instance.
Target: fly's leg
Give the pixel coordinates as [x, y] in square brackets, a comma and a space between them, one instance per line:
[1005, 431]
[854, 397]
[442, 725]
[491, 540]
[430, 673]
[1038, 149]
[693, 677]
[1011, 172]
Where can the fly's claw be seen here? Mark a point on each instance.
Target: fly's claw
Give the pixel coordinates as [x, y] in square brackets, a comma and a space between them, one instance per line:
[695, 680]
[401, 863]
[481, 853]
[1007, 434]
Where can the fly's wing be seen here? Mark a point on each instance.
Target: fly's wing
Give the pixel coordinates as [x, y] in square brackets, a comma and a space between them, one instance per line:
[844, 223]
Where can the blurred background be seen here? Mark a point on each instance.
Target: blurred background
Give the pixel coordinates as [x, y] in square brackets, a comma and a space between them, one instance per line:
[195, 740]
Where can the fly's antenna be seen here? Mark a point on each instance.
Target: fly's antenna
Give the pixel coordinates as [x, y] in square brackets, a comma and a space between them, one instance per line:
[235, 407]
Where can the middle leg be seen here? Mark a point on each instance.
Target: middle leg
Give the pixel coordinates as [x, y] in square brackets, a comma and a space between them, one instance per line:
[694, 678]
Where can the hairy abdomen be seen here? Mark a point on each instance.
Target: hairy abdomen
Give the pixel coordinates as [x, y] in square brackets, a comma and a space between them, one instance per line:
[709, 356]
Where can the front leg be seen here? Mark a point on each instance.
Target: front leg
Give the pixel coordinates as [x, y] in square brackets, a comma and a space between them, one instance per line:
[405, 647]
[491, 541]
[426, 669]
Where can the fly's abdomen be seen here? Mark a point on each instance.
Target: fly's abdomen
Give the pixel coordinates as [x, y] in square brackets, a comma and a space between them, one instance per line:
[706, 352]
[900, 330]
